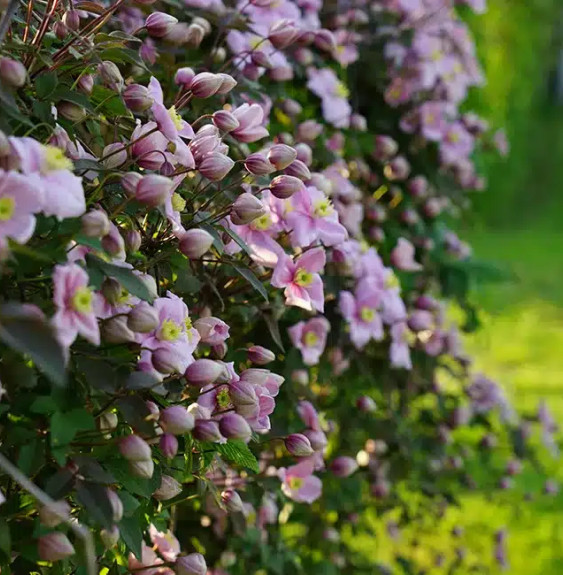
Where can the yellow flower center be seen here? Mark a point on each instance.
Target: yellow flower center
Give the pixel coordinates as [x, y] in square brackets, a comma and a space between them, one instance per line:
[123, 296]
[178, 203]
[367, 314]
[323, 208]
[255, 41]
[295, 482]
[82, 300]
[303, 278]
[169, 330]
[55, 159]
[341, 90]
[436, 55]
[310, 339]
[7, 208]
[176, 118]
[223, 398]
[453, 137]
[364, 246]
[262, 223]
[392, 281]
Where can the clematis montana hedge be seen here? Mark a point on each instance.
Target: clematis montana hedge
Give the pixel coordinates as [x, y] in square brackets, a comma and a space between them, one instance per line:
[225, 265]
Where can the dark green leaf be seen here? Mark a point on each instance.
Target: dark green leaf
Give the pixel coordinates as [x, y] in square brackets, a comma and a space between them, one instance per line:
[130, 503]
[60, 483]
[274, 329]
[131, 532]
[135, 413]
[98, 373]
[131, 483]
[92, 470]
[95, 499]
[249, 276]
[141, 380]
[34, 337]
[238, 452]
[5, 539]
[31, 456]
[46, 84]
[43, 404]
[64, 93]
[64, 426]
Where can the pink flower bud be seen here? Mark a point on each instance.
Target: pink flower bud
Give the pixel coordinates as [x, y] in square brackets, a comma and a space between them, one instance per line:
[12, 73]
[184, 77]
[281, 73]
[304, 56]
[195, 243]
[212, 330]
[192, 564]
[116, 505]
[71, 111]
[291, 107]
[168, 445]
[304, 154]
[203, 372]
[52, 515]
[215, 166]
[232, 501]
[71, 19]
[298, 445]
[143, 469]
[358, 122]
[107, 421]
[324, 40]
[317, 439]
[258, 165]
[137, 98]
[194, 35]
[205, 84]
[95, 224]
[282, 34]
[166, 360]
[133, 241]
[153, 190]
[143, 318]
[158, 24]
[116, 155]
[399, 168]
[255, 376]
[176, 420]
[129, 182]
[343, 466]
[244, 398]
[246, 209]
[115, 330]
[219, 350]
[110, 75]
[309, 130]
[380, 489]
[60, 30]
[432, 207]
[225, 121]
[55, 547]
[514, 467]
[207, 430]
[420, 320]
[284, 187]
[418, 186]
[234, 426]
[300, 377]
[133, 448]
[227, 83]
[110, 537]
[385, 147]
[298, 169]
[260, 355]
[281, 156]
[86, 84]
[169, 488]
[366, 404]
[261, 59]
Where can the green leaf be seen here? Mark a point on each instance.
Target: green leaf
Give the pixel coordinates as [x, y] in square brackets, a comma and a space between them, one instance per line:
[64, 426]
[132, 534]
[238, 452]
[64, 93]
[274, 329]
[95, 499]
[34, 337]
[130, 503]
[5, 539]
[249, 276]
[123, 275]
[31, 456]
[99, 374]
[43, 404]
[132, 483]
[141, 380]
[46, 84]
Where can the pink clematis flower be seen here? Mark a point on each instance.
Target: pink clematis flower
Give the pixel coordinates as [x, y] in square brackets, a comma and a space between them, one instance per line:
[399, 351]
[20, 199]
[301, 280]
[361, 313]
[457, 144]
[334, 96]
[309, 415]
[299, 483]
[402, 256]
[312, 218]
[169, 122]
[310, 338]
[74, 302]
[150, 561]
[165, 543]
[250, 118]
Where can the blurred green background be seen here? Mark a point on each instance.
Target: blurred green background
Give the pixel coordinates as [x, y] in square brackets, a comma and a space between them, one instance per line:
[518, 224]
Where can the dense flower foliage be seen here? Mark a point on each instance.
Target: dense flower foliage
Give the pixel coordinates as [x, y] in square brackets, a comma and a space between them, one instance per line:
[225, 258]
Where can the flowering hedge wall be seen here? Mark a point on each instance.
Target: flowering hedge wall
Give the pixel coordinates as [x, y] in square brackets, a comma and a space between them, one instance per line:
[225, 257]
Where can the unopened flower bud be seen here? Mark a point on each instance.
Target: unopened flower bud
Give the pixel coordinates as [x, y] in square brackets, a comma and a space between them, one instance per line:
[153, 190]
[309, 130]
[71, 19]
[194, 35]
[207, 430]
[219, 350]
[385, 147]
[317, 439]
[129, 182]
[137, 98]
[116, 505]
[95, 224]
[169, 488]
[107, 421]
[244, 398]
[115, 330]
[284, 187]
[258, 165]
[133, 448]
[261, 59]
[358, 122]
[60, 30]
[133, 241]
[225, 121]
[110, 537]
[203, 372]
[260, 355]
[234, 426]
[192, 564]
[232, 501]
[195, 243]
[176, 420]
[86, 84]
[298, 445]
[12, 73]
[291, 107]
[366, 404]
[420, 320]
[324, 40]
[71, 111]
[111, 290]
[110, 75]
[205, 84]
[166, 361]
[398, 169]
[281, 155]
[114, 155]
[158, 24]
[255, 376]
[299, 170]
[55, 547]
[215, 166]
[54, 514]
[246, 209]
[227, 83]
[282, 34]
[184, 77]
[143, 469]
[143, 318]
[304, 154]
